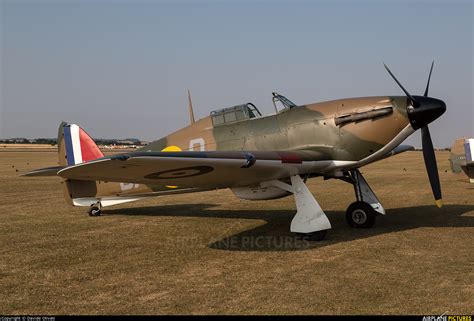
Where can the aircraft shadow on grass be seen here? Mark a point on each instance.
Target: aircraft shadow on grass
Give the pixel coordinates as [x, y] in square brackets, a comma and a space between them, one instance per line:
[274, 234]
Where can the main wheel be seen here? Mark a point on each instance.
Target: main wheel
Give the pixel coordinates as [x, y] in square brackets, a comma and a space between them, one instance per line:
[314, 236]
[94, 211]
[360, 215]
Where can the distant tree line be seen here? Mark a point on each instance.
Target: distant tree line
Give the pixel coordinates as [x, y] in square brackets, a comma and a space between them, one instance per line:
[54, 141]
[48, 141]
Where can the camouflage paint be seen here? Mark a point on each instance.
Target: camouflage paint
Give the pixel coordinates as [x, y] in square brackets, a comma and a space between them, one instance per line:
[308, 127]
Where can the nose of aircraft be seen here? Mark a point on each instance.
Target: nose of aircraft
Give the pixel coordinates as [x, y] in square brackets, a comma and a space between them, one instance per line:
[422, 111]
[427, 110]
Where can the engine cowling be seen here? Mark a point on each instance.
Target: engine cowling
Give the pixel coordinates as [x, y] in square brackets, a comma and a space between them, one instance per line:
[257, 193]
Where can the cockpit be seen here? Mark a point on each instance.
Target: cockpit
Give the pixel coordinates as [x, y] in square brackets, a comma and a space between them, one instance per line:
[234, 113]
[247, 111]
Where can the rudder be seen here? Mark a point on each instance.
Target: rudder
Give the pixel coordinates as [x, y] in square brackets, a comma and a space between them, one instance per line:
[78, 145]
[75, 146]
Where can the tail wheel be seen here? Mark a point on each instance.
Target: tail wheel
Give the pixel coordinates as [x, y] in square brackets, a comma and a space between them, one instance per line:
[360, 215]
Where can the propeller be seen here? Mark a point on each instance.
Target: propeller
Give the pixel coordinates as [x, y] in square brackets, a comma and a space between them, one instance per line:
[423, 111]
[412, 100]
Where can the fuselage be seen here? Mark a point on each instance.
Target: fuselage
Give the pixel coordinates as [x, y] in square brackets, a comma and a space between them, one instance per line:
[331, 128]
[326, 128]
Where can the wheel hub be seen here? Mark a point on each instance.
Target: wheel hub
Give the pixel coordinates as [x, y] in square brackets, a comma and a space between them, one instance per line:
[359, 216]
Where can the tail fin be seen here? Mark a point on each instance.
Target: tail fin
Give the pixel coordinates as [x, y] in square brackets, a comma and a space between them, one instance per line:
[457, 157]
[75, 146]
[469, 149]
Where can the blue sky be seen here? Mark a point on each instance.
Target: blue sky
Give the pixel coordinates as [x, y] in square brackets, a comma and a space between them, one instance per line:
[121, 68]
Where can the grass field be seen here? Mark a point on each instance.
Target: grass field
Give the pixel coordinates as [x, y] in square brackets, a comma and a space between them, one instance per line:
[44, 147]
[213, 253]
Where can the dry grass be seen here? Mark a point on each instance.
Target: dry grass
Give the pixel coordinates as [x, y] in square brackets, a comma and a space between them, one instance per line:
[26, 146]
[212, 253]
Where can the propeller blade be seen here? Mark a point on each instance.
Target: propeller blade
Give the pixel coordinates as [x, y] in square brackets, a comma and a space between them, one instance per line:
[431, 167]
[413, 101]
[428, 83]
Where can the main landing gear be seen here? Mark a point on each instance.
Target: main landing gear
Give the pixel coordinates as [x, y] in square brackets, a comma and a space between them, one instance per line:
[95, 209]
[362, 213]
[311, 223]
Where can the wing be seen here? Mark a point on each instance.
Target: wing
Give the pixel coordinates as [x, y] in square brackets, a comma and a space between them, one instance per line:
[203, 169]
[199, 169]
[399, 149]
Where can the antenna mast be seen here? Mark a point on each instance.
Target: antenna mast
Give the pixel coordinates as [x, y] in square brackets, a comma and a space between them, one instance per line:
[191, 112]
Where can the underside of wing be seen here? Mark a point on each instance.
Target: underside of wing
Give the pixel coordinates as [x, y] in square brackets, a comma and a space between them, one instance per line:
[468, 170]
[400, 149]
[198, 169]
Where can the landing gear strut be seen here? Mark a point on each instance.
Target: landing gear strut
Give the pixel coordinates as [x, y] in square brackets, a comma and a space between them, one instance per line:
[361, 214]
[310, 222]
[95, 209]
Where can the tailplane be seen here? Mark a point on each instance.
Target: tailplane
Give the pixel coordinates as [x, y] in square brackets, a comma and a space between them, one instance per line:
[75, 146]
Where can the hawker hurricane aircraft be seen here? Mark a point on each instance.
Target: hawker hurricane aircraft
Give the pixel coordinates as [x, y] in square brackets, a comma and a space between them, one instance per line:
[257, 157]
[462, 158]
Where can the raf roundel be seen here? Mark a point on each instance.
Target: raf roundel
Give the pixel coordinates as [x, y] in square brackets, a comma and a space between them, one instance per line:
[181, 172]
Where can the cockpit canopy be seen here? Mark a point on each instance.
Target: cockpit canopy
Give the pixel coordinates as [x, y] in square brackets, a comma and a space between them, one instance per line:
[234, 114]
[287, 104]
[247, 111]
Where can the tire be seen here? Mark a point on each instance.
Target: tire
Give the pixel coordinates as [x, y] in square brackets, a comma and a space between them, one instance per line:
[314, 236]
[360, 215]
[94, 211]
